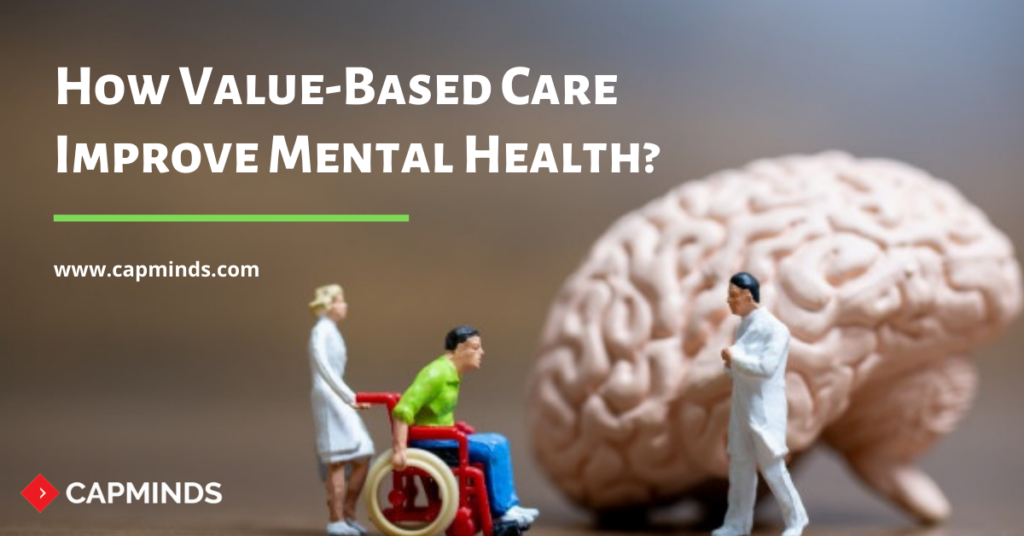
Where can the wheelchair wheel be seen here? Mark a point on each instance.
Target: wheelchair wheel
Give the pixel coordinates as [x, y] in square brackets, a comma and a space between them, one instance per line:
[422, 500]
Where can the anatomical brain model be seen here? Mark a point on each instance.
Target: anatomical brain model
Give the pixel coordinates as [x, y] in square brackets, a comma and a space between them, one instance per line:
[887, 278]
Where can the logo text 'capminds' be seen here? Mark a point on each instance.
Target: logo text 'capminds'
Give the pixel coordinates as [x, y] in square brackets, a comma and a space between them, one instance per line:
[145, 493]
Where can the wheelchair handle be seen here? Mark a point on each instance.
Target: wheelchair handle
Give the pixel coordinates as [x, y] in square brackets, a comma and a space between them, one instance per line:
[388, 399]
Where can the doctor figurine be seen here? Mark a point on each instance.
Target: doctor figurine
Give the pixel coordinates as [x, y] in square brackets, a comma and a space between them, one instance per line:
[341, 437]
[757, 423]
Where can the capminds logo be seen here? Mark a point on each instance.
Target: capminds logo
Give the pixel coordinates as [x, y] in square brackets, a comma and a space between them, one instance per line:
[39, 493]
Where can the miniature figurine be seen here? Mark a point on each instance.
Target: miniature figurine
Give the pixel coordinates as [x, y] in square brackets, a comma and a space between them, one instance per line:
[889, 279]
[341, 437]
[431, 400]
[757, 423]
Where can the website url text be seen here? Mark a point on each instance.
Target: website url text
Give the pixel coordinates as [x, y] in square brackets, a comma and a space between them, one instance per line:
[141, 271]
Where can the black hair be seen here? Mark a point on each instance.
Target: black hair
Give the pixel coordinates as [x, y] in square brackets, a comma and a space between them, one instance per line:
[746, 281]
[458, 336]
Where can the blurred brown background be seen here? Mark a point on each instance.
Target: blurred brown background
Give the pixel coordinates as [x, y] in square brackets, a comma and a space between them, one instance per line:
[110, 380]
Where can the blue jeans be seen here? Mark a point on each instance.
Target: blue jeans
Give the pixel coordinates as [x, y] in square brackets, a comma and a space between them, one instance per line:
[492, 451]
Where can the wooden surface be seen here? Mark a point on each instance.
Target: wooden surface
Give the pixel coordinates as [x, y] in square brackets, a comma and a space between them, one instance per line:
[538, 531]
[261, 452]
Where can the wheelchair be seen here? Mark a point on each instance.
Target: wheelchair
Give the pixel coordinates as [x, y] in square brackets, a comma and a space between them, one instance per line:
[439, 490]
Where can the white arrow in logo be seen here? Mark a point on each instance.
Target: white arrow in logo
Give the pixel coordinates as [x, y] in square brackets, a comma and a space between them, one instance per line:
[43, 493]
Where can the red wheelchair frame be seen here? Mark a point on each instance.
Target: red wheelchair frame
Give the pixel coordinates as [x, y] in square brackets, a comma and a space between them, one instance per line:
[474, 511]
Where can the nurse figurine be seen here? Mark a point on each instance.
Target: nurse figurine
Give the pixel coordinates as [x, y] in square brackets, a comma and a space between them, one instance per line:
[757, 421]
[342, 441]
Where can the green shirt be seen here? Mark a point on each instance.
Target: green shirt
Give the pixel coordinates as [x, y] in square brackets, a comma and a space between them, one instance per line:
[431, 399]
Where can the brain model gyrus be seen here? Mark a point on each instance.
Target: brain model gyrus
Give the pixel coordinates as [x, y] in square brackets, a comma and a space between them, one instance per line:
[886, 277]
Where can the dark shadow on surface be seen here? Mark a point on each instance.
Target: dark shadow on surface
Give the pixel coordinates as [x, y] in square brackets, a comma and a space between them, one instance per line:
[286, 531]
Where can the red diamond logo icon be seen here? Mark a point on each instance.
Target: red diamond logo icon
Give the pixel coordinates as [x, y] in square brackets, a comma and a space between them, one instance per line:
[39, 493]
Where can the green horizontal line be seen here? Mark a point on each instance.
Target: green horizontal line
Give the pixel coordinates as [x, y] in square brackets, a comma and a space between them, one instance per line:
[230, 218]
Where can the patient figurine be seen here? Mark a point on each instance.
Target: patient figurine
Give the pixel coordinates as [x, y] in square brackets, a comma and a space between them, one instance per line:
[431, 400]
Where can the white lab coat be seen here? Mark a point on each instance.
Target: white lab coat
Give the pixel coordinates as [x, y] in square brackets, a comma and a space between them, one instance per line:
[340, 432]
[757, 424]
[758, 415]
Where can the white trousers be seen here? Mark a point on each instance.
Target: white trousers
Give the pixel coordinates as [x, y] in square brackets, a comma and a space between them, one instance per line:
[743, 491]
